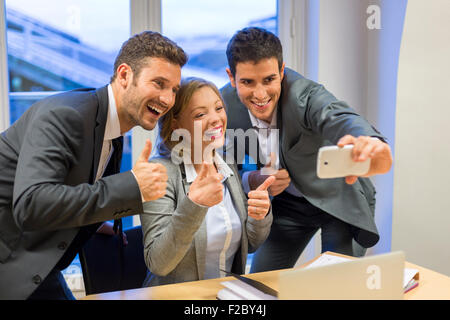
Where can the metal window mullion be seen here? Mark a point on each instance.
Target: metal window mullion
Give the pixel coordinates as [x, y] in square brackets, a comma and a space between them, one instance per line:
[144, 15]
[4, 83]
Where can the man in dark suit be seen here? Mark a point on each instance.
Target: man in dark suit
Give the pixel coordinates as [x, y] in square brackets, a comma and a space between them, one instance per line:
[298, 116]
[59, 167]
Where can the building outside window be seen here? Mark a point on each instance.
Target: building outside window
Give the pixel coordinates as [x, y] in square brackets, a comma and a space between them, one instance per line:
[203, 28]
[62, 45]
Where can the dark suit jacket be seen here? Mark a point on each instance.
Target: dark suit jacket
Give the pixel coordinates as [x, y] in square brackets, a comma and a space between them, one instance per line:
[48, 163]
[309, 117]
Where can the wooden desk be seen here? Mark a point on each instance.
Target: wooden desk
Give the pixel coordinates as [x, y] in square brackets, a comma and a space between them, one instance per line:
[432, 285]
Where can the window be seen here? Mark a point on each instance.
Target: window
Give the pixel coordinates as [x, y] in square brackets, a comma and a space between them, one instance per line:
[203, 28]
[62, 45]
[75, 48]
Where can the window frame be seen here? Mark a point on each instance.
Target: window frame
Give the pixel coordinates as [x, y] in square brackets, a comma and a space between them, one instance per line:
[4, 83]
[146, 15]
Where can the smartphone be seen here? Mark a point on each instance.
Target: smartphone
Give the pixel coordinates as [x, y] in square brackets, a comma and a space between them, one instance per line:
[335, 162]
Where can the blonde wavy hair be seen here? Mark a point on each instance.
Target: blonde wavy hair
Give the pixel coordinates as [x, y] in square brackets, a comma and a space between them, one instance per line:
[184, 95]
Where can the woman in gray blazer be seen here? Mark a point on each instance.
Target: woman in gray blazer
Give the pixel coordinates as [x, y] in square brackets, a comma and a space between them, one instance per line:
[204, 223]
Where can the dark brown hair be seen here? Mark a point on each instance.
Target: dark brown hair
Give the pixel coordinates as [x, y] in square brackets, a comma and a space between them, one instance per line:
[148, 44]
[253, 44]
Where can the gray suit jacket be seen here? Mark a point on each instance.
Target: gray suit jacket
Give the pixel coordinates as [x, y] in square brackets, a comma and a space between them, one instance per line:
[48, 163]
[309, 117]
[174, 231]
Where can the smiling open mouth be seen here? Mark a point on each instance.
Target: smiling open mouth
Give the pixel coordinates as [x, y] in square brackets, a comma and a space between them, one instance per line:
[213, 133]
[157, 111]
[261, 104]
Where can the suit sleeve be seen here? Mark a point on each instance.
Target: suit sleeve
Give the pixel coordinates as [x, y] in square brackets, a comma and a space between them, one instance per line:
[43, 201]
[332, 118]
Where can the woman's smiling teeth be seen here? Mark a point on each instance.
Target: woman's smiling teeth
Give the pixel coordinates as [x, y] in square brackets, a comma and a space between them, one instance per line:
[213, 133]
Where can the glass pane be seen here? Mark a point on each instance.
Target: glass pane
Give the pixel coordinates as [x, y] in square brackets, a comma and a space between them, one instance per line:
[203, 28]
[63, 45]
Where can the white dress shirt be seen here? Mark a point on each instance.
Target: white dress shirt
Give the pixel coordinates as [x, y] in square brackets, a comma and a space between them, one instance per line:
[223, 226]
[269, 141]
[112, 131]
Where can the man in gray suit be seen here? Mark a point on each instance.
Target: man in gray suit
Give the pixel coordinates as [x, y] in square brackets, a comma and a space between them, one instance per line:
[300, 116]
[59, 167]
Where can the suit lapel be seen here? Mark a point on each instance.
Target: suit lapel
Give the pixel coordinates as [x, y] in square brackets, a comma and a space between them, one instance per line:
[99, 131]
[281, 135]
[236, 196]
[239, 117]
[200, 241]
[239, 200]
[200, 237]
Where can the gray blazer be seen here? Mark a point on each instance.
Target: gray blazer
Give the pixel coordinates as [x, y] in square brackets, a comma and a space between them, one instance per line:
[309, 117]
[48, 164]
[174, 230]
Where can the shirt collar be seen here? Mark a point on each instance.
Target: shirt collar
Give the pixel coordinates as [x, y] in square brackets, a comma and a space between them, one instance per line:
[260, 124]
[112, 129]
[222, 167]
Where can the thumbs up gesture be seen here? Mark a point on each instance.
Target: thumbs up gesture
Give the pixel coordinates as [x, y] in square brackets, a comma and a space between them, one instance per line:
[282, 181]
[259, 201]
[207, 188]
[151, 177]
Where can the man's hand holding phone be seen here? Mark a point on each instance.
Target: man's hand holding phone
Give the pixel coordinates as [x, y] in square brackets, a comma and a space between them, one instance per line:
[369, 156]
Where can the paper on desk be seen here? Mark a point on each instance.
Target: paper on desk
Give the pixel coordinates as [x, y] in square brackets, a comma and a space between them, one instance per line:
[408, 276]
[239, 290]
[327, 259]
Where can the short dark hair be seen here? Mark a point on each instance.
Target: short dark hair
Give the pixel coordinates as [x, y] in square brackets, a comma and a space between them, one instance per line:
[253, 44]
[148, 44]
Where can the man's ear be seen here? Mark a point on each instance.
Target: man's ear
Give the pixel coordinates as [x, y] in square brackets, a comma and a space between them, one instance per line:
[231, 77]
[124, 75]
[282, 71]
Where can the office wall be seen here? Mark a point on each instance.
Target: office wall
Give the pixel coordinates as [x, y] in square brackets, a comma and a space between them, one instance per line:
[343, 50]
[338, 61]
[421, 210]
[358, 64]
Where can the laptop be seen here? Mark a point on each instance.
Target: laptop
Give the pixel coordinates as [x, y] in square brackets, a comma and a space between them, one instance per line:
[378, 277]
